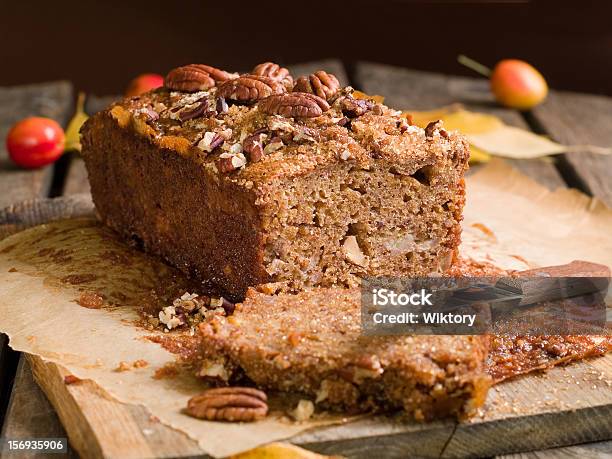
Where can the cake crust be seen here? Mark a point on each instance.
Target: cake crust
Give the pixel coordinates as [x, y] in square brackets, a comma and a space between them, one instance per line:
[243, 192]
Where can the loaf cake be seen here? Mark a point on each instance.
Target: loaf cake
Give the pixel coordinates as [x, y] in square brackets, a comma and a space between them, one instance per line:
[311, 343]
[254, 179]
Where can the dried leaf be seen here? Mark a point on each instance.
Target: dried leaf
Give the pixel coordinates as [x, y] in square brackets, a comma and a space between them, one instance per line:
[512, 142]
[488, 135]
[279, 451]
[73, 137]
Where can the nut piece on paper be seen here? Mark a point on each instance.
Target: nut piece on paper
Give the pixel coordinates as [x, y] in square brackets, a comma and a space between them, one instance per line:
[233, 404]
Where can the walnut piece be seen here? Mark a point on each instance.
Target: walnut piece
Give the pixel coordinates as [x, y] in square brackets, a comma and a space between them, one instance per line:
[431, 128]
[274, 71]
[195, 77]
[250, 88]
[321, 83]
[354, 108]
[295, 104]
[233, 404]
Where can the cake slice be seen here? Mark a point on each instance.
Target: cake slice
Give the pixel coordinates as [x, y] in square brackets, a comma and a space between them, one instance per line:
[245, 180]
[311, 343]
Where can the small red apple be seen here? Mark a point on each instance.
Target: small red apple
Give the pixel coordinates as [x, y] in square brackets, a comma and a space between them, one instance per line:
[516, 84]
[35, 142]
[144, 83]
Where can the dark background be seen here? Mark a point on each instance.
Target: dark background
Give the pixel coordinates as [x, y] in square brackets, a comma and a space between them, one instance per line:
[101, 46]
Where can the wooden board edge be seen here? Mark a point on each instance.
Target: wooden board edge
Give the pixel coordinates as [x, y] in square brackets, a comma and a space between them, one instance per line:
[50, 378]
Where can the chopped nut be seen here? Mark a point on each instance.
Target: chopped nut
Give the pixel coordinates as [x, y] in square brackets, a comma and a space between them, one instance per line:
[354, 108]
[345, 155]
[433, 127]
[168, 317]
[214, 371]
[221, 106]
[210, 141]
[303, 411]
[353, 252]
[253, 146]
[275, 144]
[190, 111]
[228, 162]
[233, 404]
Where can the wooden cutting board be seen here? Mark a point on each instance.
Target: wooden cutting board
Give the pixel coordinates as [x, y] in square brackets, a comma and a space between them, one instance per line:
[565, 406]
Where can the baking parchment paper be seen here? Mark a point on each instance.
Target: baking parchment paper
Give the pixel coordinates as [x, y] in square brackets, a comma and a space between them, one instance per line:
[510, 221]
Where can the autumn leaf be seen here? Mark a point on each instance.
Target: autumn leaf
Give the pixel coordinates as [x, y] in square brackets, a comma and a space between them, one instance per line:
[279, 451]
[488, 135]
[73, 138]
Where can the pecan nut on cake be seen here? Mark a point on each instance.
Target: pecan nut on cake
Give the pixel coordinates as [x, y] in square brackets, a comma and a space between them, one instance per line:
[311, 343]
[250, 179]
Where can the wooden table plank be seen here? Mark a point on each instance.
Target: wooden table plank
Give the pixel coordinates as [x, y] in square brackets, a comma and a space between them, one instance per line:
[416, 90]
[30, 413]
[582, 119]
[597, 450]
[53, 100]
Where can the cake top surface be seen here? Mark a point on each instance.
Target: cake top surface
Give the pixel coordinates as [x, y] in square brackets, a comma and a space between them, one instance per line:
[257, 127]
[322, 327]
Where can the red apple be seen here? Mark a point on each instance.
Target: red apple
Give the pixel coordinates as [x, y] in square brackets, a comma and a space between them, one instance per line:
[144, 83]
[35, 142]
[516, 84]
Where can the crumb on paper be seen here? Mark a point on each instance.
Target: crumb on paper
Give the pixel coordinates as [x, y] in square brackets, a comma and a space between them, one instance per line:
[12, 270]
[90, 300]
[126, 366]
[71, 379]
[303, 411]
[166, 372]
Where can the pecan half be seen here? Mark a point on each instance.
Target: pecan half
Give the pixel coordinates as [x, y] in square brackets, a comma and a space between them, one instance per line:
[194, 110]
[274, 71]
[195, 77]
[233, 404]
[320, 83]
[295, 104]
[250, 88]
[228, 162]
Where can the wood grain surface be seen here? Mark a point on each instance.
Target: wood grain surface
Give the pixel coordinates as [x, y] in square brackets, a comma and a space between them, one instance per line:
[577, 408]
[52, 100]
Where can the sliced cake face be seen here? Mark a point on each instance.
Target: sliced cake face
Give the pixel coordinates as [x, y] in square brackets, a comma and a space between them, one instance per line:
[311, 343]
[246, 180]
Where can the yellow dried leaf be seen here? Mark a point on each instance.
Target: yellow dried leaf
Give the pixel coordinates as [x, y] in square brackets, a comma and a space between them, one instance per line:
[73, 137]
[363, 95]
[478, 156]
[512, 142]
[488, 135]
[279, 451]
